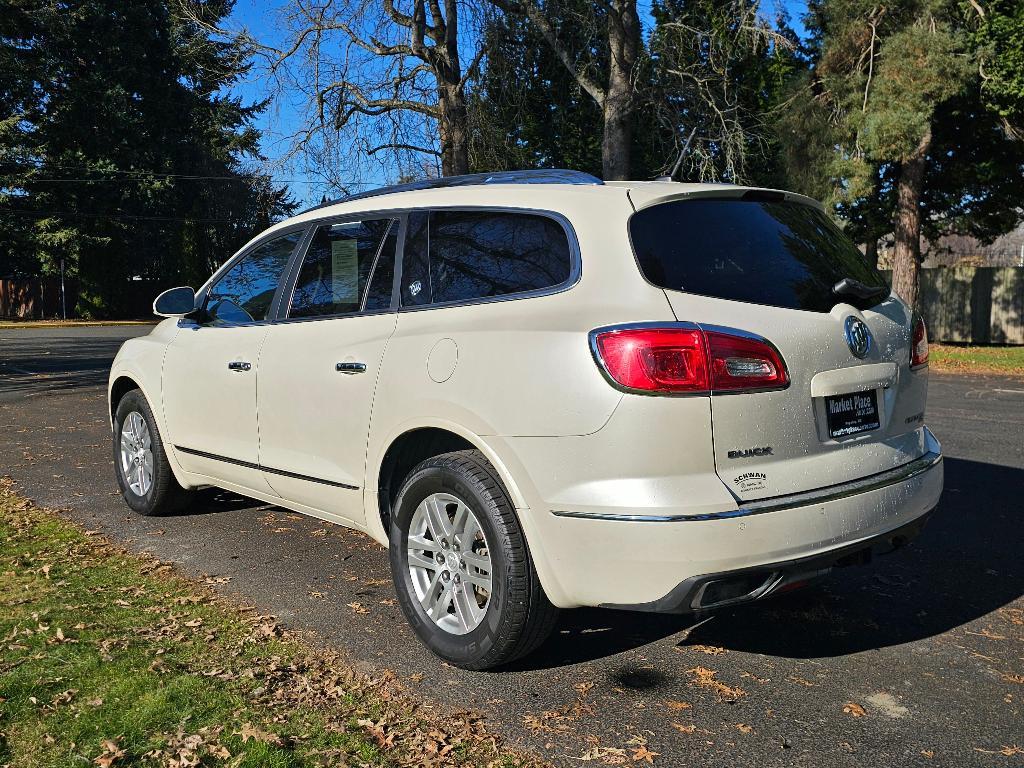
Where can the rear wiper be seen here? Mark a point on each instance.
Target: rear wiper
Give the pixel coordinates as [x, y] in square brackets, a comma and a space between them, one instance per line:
[858, 290]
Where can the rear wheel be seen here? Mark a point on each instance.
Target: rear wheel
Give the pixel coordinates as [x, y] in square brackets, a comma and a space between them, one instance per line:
[143, 473]
[461, 566]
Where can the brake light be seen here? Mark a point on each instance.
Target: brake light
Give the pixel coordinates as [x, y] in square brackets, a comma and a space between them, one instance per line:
[919, 343]
[741, 362]
[671, 360]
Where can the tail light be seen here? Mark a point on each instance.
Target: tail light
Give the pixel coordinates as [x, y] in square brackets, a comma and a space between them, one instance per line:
[687, 359]
[919, 343]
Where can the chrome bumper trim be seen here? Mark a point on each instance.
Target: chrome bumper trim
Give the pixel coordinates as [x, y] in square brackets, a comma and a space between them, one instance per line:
[830, 493]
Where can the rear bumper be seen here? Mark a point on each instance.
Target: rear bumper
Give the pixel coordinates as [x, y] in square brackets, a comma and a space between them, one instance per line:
[665, 562]
[719, 590]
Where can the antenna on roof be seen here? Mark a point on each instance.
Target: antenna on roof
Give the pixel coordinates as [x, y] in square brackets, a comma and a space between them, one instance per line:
[679, 160]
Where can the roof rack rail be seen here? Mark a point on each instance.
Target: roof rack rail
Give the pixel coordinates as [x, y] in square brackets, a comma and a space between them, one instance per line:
[551, 176]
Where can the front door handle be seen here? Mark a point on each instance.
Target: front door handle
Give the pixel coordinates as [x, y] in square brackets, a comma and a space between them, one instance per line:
[239, 365]
[350, 368]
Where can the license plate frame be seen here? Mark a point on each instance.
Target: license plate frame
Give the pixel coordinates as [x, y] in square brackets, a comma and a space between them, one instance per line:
[852, 413]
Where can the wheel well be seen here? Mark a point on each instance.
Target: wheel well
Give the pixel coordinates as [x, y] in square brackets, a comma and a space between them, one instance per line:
[406, 452]
[122, 386]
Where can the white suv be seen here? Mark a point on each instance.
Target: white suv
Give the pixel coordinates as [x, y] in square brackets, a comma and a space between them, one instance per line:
[543, 391]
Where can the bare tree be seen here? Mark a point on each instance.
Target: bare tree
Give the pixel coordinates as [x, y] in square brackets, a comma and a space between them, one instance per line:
[378, 80]
[708, 65]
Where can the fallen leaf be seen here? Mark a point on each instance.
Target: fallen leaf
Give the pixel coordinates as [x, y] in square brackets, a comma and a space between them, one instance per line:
[854, 709]
[644, 754]
[744, 728]
[359, 608]
[1008, 751]
[684, 728]
[800, 681]
[110, 755]
[705, 678]
[250, 731]
[677, 705]
[929, 753]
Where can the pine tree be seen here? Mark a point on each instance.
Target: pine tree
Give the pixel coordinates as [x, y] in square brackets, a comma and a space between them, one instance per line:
[130, 164]
[917, 104]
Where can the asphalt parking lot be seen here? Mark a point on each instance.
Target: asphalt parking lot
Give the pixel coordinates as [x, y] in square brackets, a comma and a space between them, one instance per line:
[915, 659]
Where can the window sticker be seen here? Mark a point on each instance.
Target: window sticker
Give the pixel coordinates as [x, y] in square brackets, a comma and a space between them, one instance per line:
[345, 271]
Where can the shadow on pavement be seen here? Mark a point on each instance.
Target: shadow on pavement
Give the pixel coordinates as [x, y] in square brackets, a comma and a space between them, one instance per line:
[967, 563]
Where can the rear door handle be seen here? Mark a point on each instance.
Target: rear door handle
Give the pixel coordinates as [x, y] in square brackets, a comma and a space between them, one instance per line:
[239, 365]
[350, 368]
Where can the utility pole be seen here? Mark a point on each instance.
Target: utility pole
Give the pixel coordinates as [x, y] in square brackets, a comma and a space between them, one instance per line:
[63, 305]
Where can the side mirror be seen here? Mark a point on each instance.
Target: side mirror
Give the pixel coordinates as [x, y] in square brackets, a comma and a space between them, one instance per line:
[175, 302]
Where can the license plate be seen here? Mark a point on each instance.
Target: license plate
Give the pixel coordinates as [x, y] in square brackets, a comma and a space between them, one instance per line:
[852, 413]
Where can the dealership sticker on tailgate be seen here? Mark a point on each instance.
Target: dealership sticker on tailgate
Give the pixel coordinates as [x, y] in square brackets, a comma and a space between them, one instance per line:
[852, 413]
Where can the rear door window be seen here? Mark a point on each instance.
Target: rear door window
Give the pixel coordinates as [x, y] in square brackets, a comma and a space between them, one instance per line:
[775, 252]
[457, 256]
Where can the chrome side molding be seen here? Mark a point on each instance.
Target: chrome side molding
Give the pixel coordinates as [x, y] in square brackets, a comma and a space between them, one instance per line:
[899, 474]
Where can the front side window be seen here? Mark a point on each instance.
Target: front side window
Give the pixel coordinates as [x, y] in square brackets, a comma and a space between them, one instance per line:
[246, 291]
[454, 256]
[337, 267]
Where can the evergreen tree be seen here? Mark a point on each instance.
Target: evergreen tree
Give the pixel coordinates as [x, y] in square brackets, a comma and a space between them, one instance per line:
[130, 159]
[913, 115]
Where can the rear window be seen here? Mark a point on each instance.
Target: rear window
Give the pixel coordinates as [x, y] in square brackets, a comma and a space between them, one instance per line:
[783, 254]
[453, 256]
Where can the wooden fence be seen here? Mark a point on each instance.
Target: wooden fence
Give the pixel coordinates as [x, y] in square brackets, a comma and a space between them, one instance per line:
[979, 305]
[36, 298]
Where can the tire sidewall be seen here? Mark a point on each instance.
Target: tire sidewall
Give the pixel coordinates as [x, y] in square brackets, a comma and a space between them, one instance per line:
[134, 401]
[474, 646]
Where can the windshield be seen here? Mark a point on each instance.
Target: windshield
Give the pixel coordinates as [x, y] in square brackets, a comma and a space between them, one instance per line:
[774, 252]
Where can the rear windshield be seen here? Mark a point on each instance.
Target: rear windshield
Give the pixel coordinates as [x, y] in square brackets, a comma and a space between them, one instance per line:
[784, 254]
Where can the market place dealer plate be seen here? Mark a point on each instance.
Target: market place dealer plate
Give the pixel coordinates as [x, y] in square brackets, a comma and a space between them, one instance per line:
[851, 413]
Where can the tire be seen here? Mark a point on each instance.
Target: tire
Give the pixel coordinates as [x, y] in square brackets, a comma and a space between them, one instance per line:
[155, 491]
[516, 615]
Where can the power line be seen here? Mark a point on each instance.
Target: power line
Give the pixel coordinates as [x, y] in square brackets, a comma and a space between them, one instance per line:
[114, 216]
[145, 173]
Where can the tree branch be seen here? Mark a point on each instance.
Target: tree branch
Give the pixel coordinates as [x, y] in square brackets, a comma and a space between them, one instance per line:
[536, 15]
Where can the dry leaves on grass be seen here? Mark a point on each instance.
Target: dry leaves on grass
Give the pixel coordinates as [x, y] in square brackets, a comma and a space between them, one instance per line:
[854, 709]
[705, 678]
[110, 755]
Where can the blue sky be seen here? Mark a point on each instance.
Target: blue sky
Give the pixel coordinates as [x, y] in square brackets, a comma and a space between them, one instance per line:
[281, 119]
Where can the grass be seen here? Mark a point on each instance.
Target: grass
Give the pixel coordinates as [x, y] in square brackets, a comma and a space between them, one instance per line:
[948, 358]
[112, 659]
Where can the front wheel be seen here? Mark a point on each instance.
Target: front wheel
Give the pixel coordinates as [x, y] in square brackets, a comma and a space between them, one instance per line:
[143, 473]
[461, 566]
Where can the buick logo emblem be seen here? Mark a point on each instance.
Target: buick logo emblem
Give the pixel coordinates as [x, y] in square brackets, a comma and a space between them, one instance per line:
[858, 337]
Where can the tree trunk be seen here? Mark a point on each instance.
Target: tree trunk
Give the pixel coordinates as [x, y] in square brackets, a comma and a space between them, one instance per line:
[906, 267]
[454, 131]
[620, 101]
[871, 250]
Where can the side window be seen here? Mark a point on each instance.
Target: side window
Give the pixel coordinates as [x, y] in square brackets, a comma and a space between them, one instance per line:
[482, 254]
[244, 294]
[336, 268]
[415, 265]
[378, 295]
